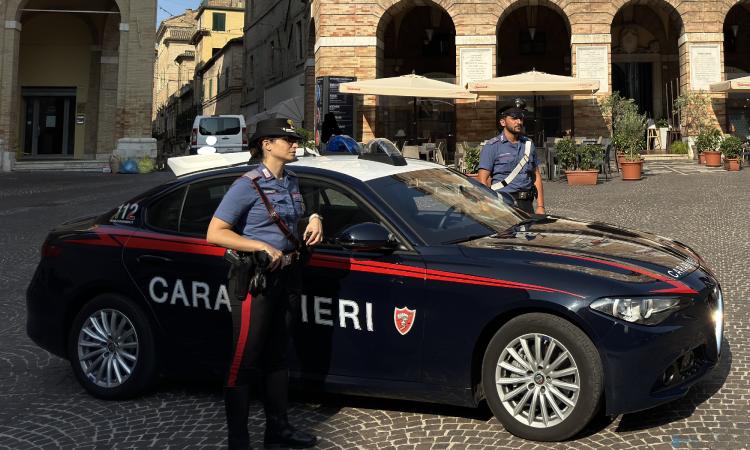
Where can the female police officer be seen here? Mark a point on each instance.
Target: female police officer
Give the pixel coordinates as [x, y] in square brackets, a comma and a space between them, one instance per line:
[261, 323]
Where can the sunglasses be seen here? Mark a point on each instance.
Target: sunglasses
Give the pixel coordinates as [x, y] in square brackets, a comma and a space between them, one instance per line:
[289, 140]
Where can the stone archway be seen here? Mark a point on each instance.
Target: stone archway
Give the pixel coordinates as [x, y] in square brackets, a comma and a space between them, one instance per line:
[418, 38]
[736, 30]
[536, 35]
[646, 55]
[62, 52]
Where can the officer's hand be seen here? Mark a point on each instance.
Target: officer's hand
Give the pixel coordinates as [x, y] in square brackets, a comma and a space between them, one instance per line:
[540, 210]
[275, 255]
[314, 232]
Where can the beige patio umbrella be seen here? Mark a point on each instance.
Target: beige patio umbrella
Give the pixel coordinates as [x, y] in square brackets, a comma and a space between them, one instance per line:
[736, 85]
[407, 86]
[415, 86]
[534, 83]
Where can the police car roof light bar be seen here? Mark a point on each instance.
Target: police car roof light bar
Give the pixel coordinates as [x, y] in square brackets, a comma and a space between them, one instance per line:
[384, 151]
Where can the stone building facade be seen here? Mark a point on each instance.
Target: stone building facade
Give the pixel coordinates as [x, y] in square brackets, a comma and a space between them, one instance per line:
[222, 79]
[174, 65]
[650, 50]
[76, 79]
[278, 59]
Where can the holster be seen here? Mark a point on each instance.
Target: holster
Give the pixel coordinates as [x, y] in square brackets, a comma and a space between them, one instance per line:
[247, 273]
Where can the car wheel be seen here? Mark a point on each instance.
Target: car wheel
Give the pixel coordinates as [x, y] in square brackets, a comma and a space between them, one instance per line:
[542, 377]
[111, 348]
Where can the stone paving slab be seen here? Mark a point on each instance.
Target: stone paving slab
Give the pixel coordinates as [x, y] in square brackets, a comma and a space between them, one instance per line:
[42, 406]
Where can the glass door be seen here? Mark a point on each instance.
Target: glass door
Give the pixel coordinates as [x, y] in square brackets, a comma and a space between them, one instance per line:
[48, 123]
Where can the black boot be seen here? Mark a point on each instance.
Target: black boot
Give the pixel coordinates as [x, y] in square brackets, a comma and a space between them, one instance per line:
[280, 434]
[237, 405]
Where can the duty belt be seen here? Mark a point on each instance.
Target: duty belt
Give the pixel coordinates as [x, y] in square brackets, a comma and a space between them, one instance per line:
[289, 258]
[522, 195]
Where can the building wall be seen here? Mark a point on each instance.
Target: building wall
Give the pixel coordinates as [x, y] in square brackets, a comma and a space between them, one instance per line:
[235, 20]
[275, 53]
[350, 37]
[116, 82]
[173, 39]
[223, 75]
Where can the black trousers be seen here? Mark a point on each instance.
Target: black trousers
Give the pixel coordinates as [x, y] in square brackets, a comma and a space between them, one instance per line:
[261, 332]
[526, 205]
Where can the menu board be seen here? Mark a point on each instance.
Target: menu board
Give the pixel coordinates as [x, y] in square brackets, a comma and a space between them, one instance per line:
[705, 65]
[341, 105]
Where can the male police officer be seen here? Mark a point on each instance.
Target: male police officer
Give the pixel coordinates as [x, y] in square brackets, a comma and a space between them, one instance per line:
[508, 163]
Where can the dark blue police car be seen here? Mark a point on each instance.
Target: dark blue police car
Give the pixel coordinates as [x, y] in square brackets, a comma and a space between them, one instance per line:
[428, 288]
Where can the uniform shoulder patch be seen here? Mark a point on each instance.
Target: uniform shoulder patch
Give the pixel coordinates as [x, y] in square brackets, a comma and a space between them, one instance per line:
[253, 174]
[494, 140]
[289, 172]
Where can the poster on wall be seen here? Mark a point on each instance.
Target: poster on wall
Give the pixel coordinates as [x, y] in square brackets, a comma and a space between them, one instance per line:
[328, 99]
[592, 64]
[705, 65]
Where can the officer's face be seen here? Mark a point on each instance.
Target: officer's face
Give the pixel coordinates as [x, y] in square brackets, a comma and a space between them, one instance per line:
[283, 148]
[514, 124]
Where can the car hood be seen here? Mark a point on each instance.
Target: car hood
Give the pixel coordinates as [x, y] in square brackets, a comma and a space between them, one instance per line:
[583, 240]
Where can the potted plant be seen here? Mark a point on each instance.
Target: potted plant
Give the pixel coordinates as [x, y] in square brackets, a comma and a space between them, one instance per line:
[471, 160]
[707, 143]
[615, 109]
[679, 148]
[731, 148]
[630, 130]
[692, 108]
[578, 161]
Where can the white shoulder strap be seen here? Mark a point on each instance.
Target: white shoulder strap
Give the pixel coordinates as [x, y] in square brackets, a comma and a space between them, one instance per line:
[516, 170]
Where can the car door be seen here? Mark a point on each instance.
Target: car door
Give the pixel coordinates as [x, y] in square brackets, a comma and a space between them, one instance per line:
[181, 275]
[360, 312]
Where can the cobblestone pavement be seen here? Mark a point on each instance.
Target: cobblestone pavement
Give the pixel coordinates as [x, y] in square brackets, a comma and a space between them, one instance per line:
[42, 406]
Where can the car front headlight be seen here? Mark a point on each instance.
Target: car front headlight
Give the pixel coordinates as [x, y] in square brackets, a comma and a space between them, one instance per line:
[641, 310]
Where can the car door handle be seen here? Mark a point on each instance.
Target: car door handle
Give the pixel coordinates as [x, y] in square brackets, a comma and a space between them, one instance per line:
[153, 259]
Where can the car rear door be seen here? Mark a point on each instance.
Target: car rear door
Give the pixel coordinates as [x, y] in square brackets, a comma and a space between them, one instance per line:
[360, 312]
[181, 275]
[227, 130]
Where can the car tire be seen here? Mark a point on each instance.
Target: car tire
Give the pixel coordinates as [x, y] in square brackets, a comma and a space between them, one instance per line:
[564, 396]
[111, 348]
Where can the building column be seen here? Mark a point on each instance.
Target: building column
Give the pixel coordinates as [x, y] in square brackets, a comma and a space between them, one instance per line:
[476, 59]
[9, 93]
[591, 56]
[134, 85]
[702, 63]
[352, 56]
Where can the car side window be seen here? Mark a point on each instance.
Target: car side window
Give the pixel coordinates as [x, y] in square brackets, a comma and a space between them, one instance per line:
[201, 201]
[339, 208]
[164, 213]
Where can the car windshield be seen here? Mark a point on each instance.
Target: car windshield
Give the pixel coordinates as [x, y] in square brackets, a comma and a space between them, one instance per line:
[219, 126]
[445, 207]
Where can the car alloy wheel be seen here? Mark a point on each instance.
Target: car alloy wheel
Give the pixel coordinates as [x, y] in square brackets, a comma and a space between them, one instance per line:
[537, 380]
[108, 348]
[542, 377]
[111, 347]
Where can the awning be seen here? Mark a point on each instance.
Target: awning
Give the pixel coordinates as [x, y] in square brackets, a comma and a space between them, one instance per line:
[534, 83]
[406, 86]
[736, 85]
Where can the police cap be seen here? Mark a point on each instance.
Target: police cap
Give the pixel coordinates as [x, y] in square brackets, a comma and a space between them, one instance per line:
[278, 127]
[514, 112]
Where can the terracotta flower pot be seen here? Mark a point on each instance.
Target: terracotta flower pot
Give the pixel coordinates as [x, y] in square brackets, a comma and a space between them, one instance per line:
[581, 177]
[632, 170]
[732, 164]
[701, 158]
[713, 159]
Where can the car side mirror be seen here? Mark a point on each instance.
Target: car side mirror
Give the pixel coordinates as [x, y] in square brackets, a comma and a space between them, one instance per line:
[366, 237]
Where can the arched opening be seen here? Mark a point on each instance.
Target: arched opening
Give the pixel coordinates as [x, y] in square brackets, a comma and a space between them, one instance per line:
[736, 65]
[418, 38]
[645, 56]
[535, 35]
[65, 60]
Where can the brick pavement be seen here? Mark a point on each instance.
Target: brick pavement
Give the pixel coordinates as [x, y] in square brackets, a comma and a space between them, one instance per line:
[42, 406]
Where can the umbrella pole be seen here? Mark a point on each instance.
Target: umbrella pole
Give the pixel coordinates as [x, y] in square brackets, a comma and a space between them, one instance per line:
[416, 119]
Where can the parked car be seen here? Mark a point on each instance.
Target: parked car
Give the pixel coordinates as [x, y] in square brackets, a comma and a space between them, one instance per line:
[427, 287]
[230, 132]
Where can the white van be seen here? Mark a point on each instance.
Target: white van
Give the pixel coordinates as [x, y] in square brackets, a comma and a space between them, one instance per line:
[230, 132]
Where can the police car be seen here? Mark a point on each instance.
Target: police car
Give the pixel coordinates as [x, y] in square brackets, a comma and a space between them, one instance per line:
[427, 287]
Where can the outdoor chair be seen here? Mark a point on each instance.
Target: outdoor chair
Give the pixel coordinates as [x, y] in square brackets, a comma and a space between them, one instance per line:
[439, 156]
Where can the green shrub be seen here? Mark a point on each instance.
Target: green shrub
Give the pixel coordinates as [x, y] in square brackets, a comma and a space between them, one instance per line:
[471, 158]
[578, 157]
[662, 123]
[590, 156]
[566, 153]
[708, 140]
[679, 148]
[731, 147]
